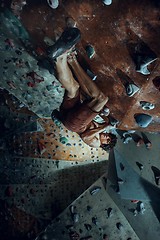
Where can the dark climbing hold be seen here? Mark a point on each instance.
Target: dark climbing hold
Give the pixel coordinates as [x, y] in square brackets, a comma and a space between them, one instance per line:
[90, 51]
[143, 120]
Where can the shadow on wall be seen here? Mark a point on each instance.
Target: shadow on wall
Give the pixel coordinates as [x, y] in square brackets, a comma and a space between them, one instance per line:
[154, 194]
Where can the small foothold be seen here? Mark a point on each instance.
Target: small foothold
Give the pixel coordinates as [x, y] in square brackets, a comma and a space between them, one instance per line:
[72, 209]
[107, 2]
[41, 147]
[69, 227]
[119, 226]
[109, 212]
[120, 181]
[122, 167]
[146, 105]
[50, 87]
[90, 51]
[95, 190]
[141, 208]
[140, 165]
[89, 208]
[143, 120]
[131, 89]
[75, 217]
[105, 237]
[74, 235]
[88, 226]
[94, 220]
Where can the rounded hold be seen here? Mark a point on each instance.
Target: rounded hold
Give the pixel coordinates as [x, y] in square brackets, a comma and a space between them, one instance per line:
[147, 105]
[63, 140]
[107, 2]
[90, 51]
[53, 3]
[143, 120]
[131, 89]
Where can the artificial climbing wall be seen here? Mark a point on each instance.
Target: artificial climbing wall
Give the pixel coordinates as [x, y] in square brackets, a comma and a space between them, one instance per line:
[118, 33]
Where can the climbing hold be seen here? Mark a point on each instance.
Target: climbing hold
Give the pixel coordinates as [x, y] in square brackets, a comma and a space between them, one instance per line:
[109, 212]
[90, 51]
[89, 208]
[141, 208]
[95, 190]
[143, 120]
[107, 2]
[140, 165]
[72, 209]
[75, 217]
[53, 3]
[131, 89]
[63, 140]
[88, 226]
[142, 62]
[146, 105]
[119, 225]
[120, 181]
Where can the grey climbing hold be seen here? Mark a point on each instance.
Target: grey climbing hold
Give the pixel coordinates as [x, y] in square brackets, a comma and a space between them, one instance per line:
[72, 209]
[146, 105]
[53, 3]
[90, 51]
[109, 212]
[141, 208]
[131, 89]
[119, 226]
[75, 217]
[120, 181]
[143, 120]
[107, 2]
[95, 190]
